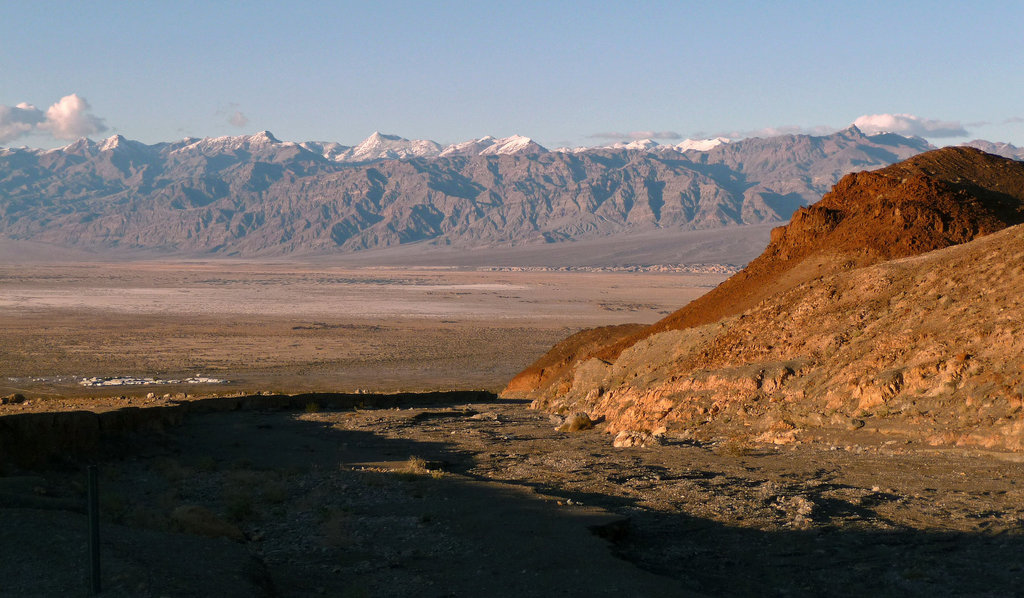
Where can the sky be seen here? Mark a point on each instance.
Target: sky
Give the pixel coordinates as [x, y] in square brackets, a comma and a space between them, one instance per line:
[564, 73]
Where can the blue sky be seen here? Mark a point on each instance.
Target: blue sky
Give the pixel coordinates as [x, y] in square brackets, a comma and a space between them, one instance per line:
[564, 73]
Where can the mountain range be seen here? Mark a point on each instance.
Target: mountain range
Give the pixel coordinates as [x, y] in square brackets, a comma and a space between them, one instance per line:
[255, 195]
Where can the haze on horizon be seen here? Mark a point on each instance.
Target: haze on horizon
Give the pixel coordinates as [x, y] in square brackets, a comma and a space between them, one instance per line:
[572, 74]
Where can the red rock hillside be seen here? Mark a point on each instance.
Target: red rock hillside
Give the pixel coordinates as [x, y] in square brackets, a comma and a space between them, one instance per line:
[938, 199]
[933, 200]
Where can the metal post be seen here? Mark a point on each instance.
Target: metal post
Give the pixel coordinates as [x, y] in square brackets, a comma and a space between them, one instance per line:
[94, 528]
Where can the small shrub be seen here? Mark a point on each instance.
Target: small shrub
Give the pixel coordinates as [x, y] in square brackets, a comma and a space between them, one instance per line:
[415, 465]
[576, 423]
[312, 407]
[737, 448]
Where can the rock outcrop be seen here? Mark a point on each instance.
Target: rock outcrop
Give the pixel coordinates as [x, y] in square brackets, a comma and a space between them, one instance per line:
[838, 321]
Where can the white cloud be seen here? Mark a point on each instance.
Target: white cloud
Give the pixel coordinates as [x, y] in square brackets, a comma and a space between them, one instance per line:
[909, 125]
[69, 119]
[16, 121]
[238, 119]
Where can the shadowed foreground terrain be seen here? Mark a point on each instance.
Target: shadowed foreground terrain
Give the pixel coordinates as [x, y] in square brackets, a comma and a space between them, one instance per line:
[436, 496]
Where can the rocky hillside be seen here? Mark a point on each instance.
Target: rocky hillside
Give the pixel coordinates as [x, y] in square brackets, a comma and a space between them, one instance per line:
[257, 195]
[933, 200]
[826, 330]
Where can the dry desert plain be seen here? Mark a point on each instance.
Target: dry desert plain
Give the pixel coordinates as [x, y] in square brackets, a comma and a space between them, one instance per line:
[449, 494]
[293, 327]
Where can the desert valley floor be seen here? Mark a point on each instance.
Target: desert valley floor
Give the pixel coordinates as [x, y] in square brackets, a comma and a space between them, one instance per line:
[300, 327]
[251, 492]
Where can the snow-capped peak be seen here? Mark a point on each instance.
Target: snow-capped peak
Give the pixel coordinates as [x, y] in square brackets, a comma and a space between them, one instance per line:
[263, 137]
[229, 143]
[637, 144]
[380, 146]
[649, 145]
[112, 142]
[82, 147]
[516, 144]
[378, 140]
[328, 149]
[489, 146]
[700, 145]
[472, 147]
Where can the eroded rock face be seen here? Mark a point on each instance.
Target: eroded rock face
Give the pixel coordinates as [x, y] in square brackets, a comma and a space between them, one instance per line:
[555, 365]
[813, 336]
[928, 348]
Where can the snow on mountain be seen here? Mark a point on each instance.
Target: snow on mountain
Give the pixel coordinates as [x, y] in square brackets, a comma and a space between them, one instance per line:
[649, 145]
[264, 138]
[330, 150]
[82, 147]
[112, 142]
[378, 146]
[472, 147]
[489, 146]
[700, 145]
[382, 147]
[637, 144]
[230, 144]
[516, 144]
[254, 194]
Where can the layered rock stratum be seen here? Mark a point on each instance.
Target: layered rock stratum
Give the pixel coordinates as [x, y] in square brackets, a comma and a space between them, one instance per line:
[891, 305]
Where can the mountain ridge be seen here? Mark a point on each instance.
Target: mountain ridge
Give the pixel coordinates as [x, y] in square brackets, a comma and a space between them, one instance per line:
[258, 196]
